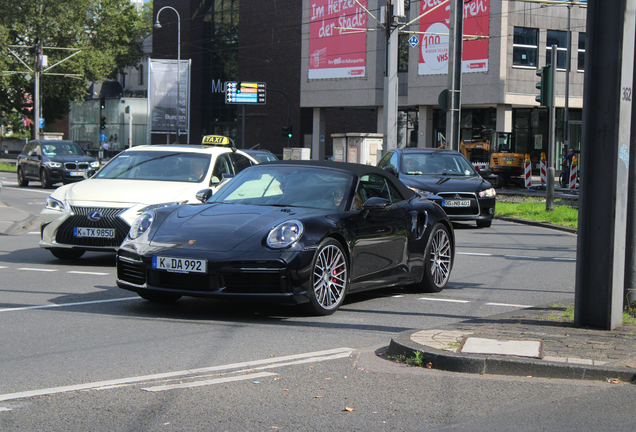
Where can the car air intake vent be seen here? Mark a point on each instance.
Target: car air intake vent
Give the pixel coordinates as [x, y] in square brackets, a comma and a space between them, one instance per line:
[131, 272]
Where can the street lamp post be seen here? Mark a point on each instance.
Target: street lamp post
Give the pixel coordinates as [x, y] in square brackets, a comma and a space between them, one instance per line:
[157, 25]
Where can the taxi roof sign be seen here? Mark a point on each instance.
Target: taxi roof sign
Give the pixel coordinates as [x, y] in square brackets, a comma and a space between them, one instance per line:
[219, 140]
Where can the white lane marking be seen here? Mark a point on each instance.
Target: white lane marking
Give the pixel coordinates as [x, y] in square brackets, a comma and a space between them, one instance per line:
[565, 259]
[514, 256]
[68, 304]
[88, 273]
[34, 232]
[474, 253]
[334, 353]
[1, 267]
[37, 269]
[4, 409]
[509, 305]
[520, 256]
[209, 382]
[444, 300]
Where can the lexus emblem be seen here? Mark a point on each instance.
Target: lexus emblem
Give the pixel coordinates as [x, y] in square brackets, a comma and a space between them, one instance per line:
[94, 216]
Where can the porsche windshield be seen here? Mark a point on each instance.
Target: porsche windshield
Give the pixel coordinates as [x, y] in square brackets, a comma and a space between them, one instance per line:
[449, 164]
[157, 165]
[294, 186]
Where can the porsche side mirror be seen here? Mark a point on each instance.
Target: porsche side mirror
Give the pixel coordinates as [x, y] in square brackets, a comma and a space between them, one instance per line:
[377, 204]
[390, 170]
[204, 195]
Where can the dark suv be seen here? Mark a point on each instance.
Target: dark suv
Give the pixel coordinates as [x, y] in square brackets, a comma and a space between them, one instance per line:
[53, 161]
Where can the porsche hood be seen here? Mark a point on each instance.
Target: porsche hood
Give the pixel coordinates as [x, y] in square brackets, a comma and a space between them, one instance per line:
[220, 227]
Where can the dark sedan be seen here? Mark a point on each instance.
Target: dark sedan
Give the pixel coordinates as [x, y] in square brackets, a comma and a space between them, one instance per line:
[53, 161]
[450, 177]
[292, 232]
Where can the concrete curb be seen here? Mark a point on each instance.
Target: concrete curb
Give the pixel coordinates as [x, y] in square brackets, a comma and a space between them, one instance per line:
[402, 345]
[535, 223]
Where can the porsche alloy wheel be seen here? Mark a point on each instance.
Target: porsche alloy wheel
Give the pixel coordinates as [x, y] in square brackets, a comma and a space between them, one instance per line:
[330, 278]
[437, 261]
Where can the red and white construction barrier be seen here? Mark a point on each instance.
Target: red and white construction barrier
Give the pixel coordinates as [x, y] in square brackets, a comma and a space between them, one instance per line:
[573, 173]
[528, 172]
[544, 170]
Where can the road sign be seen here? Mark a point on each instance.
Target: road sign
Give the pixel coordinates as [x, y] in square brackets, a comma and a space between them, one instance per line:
[103, 137]
[240, 92]
[41, 123]
[413, 40]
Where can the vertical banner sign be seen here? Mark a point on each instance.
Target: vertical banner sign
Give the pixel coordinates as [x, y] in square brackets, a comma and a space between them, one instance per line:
[166, 110]
[337, 39]
[434, 47]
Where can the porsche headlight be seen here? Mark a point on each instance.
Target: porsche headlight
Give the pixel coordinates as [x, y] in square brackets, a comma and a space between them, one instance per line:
[490, 193]
[53, 164]
[53, 204]
[285, 234]
[141, 225]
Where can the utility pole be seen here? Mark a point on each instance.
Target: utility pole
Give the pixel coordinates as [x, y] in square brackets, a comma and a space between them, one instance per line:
[36, 100]
[454, 73]
[607, 120]
[394, 13]
[549, 202]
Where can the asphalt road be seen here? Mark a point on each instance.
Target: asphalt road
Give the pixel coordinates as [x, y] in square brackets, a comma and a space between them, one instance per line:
[78, 353]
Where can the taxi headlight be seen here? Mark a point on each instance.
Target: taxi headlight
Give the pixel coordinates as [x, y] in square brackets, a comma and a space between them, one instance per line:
[141, 225]
[490, 193]
[285, 234]
[53, 204]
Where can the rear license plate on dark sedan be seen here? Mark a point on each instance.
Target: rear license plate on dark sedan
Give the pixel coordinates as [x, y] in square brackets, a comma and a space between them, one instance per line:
[180, 265]
[456, 203]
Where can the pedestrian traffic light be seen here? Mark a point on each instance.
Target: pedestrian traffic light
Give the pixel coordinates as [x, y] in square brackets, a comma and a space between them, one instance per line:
[545, 86]
[102, 123]
[287, 131]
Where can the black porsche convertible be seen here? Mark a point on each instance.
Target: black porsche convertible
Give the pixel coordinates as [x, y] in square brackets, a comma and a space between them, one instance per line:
[294, 232]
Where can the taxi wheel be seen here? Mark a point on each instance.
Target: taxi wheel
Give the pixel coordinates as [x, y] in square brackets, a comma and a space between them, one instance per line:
[67, 254]
[22, 182]
[45, 179]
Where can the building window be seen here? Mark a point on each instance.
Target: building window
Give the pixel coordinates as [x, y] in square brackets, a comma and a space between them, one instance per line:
[525, 47]
[560, 39]
[140, 68]
[581, 64]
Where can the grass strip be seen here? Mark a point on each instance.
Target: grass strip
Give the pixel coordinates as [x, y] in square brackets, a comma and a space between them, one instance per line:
[563, 215]
[4, 166]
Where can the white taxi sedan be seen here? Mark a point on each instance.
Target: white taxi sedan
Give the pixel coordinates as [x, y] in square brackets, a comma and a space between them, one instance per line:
[96, 214]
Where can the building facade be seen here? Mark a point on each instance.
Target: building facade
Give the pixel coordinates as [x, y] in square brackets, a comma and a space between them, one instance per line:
[506, 42]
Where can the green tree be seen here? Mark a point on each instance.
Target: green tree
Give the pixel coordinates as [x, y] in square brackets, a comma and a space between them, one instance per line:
[109, 34]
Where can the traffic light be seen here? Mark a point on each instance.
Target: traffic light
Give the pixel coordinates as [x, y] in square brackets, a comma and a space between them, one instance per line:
[102, 123]
[287, 131]
[102, 102]
[544, 86]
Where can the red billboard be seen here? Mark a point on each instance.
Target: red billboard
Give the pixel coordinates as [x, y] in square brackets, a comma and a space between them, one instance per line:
[434, 49]
[337, 39]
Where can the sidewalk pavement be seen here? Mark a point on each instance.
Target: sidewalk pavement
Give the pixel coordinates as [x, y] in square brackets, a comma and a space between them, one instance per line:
[534, 342]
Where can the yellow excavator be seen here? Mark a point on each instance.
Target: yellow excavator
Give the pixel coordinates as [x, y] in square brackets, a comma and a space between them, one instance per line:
[494, 158]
